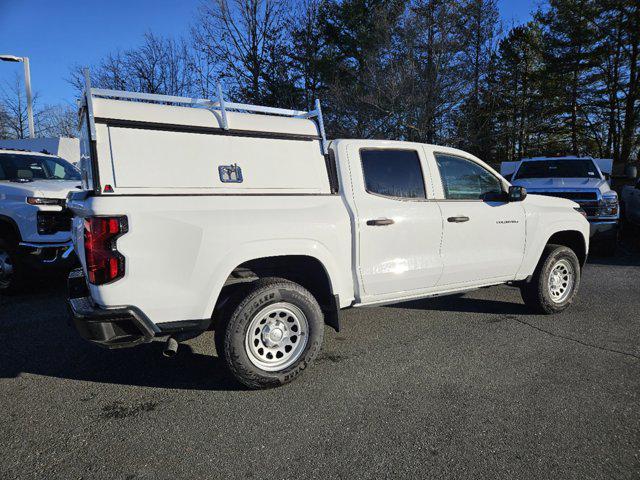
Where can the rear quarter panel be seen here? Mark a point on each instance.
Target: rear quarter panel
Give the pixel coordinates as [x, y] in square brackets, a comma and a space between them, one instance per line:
[180, 249]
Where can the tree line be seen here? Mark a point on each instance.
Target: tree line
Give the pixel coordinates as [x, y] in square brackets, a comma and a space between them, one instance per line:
[436, 71]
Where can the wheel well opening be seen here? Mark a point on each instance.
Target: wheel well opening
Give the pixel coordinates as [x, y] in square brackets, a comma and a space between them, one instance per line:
[573, 240]
[9, 231]
[301, 269]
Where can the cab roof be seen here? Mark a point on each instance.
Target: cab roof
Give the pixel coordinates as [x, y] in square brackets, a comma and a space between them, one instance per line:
[539, 159]
[20, 151]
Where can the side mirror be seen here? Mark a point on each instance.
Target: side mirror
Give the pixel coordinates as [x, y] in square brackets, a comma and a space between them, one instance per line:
[517, 194]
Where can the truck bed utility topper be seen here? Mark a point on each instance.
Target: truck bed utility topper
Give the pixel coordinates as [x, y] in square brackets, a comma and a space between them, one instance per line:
[148, 130]
[229, 216]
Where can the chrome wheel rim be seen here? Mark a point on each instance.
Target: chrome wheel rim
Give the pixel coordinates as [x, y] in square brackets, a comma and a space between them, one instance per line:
[277, 336]
[561, 281]
[6, 268]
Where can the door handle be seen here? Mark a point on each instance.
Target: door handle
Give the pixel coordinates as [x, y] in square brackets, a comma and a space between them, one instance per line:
[381, 222]
[457, 219]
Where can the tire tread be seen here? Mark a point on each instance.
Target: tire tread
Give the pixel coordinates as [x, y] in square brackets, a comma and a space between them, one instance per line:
[244, 371]
[534, 292]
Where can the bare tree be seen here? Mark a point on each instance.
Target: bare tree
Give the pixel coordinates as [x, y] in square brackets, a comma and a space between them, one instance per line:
[241, 39]
[57, 121]
[4, 123]
[49, 120]
[14, 105]
[159, 65]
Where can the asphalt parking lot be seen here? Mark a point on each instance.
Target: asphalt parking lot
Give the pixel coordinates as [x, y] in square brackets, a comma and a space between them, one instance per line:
[471, 386]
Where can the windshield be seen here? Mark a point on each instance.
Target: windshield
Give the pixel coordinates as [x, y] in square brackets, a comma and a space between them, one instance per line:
[557, 169]
[24, 168]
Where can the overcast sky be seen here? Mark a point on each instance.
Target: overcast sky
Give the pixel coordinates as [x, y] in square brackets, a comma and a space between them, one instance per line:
[57, 34]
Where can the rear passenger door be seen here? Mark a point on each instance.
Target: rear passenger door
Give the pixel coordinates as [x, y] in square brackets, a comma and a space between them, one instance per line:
[483, 234]
[398, 229]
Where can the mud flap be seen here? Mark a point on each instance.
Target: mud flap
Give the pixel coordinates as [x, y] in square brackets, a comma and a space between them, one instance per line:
[332, 313]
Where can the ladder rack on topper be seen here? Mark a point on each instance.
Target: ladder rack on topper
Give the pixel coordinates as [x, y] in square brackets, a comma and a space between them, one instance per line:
[220, 105]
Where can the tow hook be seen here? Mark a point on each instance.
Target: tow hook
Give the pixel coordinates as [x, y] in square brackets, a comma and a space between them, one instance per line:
[170, 348]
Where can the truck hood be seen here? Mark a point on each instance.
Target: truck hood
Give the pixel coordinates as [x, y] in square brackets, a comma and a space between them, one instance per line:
[563, 184]
[41, 188]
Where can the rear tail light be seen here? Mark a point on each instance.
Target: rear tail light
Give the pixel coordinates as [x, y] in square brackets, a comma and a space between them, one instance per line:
[104, 263]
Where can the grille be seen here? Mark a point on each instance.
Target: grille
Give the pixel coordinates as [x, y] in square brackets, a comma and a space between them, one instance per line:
[52, 222]
[590, 208]
[575, 196]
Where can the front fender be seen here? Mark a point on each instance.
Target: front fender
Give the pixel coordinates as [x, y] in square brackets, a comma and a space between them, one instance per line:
[540, 229]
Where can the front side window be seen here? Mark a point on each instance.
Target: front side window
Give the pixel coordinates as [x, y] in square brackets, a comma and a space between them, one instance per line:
[463, 179]
[393, 173]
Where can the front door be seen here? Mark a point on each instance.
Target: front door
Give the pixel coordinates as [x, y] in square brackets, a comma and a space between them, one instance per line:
[484, 234]
[399, 230]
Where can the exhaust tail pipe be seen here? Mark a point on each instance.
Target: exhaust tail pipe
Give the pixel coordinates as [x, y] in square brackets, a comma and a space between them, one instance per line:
[170, 348]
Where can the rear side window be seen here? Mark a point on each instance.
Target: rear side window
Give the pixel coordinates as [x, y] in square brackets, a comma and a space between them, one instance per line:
[393, 173]
[463, 179]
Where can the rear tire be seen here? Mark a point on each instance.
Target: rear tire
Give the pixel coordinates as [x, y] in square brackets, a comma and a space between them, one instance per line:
[270, 334]
[555, 281]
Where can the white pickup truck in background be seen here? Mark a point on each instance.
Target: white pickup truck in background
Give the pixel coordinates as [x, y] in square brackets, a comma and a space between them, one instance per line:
[581, 179]
[246, 220]
[35, 225]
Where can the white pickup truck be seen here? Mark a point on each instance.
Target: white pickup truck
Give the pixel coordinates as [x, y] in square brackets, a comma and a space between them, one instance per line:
[35, 225]
[244, 219]
[581, 179]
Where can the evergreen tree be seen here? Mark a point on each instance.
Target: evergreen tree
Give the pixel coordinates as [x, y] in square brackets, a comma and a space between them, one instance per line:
[521, 119]
[570, 40]
[479, 29]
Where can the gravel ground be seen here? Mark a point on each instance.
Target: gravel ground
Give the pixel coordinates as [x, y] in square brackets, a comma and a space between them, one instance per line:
[469, 386]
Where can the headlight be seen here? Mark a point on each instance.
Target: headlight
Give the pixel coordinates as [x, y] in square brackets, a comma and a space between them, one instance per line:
[581, 211]
[45, 201]
[608, 205]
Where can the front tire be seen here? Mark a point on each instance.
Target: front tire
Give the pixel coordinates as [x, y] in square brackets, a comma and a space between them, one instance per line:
[555, 281]
[271, 333]
[9, 267]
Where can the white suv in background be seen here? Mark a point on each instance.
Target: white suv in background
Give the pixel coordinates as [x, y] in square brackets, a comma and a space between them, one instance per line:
[34, 221]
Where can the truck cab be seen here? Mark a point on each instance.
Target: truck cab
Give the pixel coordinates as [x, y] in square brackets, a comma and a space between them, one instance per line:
[35, 225]
[246, 220]
[430, 219]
